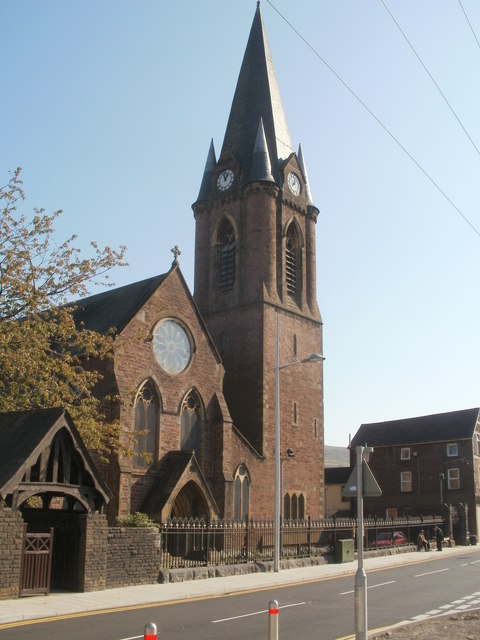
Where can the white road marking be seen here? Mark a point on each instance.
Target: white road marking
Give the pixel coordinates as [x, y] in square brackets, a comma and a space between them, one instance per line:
[429, 573]
[382, 584]
[257, 613]
[370, 586]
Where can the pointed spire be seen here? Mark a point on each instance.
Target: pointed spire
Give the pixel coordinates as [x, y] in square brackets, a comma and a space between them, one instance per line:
[207, 173]
[261, 168]
[303, 167]
[257, 96]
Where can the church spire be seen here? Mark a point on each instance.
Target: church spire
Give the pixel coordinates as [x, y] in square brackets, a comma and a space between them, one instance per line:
[261, 167]
[301, 162]
[207, 173]
[257, 96]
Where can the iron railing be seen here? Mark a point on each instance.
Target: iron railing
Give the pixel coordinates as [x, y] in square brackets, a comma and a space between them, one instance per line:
[200, 542]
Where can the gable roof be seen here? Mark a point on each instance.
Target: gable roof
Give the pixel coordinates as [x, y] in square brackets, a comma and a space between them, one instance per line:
[438, 427]
[116, 307]
[172, 470]
[20, 433]
[25, 435]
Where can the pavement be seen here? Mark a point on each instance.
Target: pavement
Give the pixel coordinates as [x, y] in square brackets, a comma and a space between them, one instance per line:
[77, 604]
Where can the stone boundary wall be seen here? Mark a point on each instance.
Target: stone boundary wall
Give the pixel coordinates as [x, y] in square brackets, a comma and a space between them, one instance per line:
[133, 556]
[93, 552]
[11, 542]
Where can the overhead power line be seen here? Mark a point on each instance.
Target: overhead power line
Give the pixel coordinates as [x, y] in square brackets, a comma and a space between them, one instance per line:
[377, 120]
[430, 75]
[469, 23]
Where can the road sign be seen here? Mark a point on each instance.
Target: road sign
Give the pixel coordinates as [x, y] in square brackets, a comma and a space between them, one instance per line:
[370, 488]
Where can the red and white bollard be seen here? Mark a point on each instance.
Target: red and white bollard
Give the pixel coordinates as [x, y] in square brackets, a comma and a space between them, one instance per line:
[150, 632]
[273, 620]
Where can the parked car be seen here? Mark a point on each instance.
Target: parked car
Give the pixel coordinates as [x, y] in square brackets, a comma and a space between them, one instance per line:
[385, 539]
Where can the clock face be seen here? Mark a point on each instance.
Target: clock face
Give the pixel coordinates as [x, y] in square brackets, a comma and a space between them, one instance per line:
[171, 346]
[225, 180]
[294, 184]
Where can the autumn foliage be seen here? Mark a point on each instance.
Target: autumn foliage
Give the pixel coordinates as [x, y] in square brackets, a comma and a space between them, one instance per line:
[43, 355]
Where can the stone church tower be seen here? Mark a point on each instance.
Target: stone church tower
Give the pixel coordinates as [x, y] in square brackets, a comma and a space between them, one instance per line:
[254, 265]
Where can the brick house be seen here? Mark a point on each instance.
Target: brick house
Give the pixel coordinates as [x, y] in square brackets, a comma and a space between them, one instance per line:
[196, 373]
[425, 463]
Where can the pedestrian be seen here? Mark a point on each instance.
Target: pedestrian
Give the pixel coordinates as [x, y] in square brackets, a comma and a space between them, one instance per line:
[439, 538]
[422, 542]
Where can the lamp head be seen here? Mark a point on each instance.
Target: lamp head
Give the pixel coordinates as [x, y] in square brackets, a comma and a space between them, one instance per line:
[314, 357]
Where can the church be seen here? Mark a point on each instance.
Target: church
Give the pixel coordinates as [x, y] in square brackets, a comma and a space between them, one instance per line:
[196, 373]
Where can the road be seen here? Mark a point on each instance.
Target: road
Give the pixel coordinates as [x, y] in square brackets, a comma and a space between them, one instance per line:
[321, 609]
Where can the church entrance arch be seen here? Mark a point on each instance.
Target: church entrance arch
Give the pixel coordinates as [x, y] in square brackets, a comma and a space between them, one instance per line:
[190, 502]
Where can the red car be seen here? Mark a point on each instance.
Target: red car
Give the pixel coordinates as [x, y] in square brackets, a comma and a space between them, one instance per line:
[385, 539]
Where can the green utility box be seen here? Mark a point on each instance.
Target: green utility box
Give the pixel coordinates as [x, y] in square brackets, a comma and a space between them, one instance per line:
[344, 551]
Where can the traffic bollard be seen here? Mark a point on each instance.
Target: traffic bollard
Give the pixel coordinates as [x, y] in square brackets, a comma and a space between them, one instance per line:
[150, 632]
[273, 620]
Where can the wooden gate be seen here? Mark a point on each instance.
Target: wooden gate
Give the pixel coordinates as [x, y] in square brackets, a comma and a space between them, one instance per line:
[36, 563]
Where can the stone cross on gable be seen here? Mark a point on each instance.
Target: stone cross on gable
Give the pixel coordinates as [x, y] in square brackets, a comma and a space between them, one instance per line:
[176, 252]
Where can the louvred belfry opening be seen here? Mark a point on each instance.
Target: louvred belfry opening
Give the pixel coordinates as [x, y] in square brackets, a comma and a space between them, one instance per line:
[226, 257]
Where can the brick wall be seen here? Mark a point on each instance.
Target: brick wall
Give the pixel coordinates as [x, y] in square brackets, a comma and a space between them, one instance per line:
[11, 540]
[133, 556]
[93, 552]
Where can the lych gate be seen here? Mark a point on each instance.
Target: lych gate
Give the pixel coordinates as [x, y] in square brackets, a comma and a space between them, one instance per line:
[47, 474]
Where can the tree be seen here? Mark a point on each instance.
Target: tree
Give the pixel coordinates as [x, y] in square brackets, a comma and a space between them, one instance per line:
[44, 357]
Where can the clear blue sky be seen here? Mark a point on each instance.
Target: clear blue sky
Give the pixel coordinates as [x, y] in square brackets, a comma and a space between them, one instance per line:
[109, 106]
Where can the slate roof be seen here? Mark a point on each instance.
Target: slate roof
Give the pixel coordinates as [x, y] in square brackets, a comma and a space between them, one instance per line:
[20, 433]
[439, 427]
[171, 470]
[116, 307]
[337, 475]
[257, 96]
[24, 433]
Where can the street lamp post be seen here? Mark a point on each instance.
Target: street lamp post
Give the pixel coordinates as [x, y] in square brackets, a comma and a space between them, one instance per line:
[314, 357]
[360, 576]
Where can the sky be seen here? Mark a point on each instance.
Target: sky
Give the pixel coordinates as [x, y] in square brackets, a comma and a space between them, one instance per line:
[109, 108]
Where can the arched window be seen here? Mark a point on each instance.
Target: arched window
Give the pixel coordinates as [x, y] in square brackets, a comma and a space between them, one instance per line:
[293, 262]
[301, 507]
[191, 420]
[226, 256]
[147, 409]
[294, 507]
[241, 490]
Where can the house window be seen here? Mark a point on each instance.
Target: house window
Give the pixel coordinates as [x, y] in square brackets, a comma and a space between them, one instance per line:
[295, 416]
[286, 506]
[478, 444]
[453, 477]
[226, 256]
[391, 513]
[452, 450]
[294, 345]
[241, 493]
[315, 428]
[405, 481]
[405, 453]
[145, 426]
